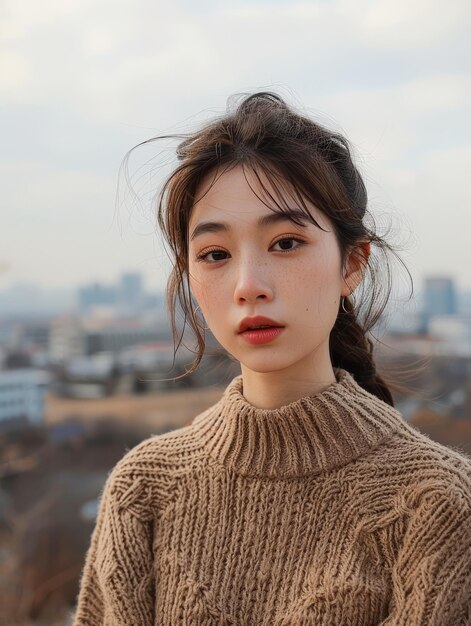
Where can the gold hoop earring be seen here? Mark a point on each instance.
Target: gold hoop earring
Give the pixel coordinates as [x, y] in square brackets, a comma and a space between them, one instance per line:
[342, 303]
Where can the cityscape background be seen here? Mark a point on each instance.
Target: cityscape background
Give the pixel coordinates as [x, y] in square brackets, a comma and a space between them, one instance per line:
[88, 374]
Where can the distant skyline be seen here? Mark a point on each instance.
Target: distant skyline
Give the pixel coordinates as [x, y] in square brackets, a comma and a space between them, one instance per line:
[30, 297]
[83, 82]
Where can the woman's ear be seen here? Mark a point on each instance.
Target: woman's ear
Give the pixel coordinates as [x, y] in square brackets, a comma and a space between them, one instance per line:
[354, 267]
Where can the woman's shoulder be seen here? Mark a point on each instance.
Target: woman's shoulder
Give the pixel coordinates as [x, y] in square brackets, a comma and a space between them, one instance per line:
[145, 475]
[158, 454]
[407, 454]
[419, 459]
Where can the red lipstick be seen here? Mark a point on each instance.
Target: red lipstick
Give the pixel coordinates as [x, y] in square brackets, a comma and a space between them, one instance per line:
[250, 331]
[254, 322]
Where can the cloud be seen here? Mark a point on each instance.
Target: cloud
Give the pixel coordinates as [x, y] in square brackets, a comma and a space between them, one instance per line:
[14, 72]
[403, 24]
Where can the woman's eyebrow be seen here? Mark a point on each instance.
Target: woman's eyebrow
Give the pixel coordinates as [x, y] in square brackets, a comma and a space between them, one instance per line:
[292, 215]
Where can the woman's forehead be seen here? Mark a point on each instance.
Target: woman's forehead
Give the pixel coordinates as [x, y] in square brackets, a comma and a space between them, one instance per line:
[242, 193]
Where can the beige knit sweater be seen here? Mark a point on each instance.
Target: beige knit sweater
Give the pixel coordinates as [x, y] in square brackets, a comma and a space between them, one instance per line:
[329, 511]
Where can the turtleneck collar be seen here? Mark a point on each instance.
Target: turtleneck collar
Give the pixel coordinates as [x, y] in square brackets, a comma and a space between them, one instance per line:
[311, 435]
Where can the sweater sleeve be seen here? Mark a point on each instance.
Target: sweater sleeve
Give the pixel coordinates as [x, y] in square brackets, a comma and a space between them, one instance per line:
[116, 586]
[432, 575]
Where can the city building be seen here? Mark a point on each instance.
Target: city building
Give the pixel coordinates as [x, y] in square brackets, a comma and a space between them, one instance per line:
[72, 336]
[22, 393]
[454, 333]
[95, 295]
[125, 299]
[130, 293]
[66, 338]
[440, 296]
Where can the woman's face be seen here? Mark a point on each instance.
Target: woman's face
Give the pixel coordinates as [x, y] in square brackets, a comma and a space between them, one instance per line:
[242, 267]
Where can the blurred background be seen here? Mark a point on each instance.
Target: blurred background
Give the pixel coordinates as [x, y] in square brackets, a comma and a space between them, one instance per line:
[85, 339]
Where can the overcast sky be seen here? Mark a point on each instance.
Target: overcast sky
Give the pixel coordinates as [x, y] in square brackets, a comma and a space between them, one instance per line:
[82, 82]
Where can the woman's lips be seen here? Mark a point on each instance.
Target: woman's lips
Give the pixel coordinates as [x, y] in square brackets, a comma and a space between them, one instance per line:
[250, 323]
[261, 335]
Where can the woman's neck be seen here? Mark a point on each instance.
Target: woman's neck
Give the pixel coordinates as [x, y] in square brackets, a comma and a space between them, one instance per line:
[311, 435]
[273, 389]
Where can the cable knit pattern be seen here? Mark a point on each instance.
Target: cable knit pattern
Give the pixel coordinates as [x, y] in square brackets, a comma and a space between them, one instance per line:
[329, 511]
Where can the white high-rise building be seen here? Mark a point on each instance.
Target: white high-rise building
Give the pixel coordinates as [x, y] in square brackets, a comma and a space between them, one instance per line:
[22, 393]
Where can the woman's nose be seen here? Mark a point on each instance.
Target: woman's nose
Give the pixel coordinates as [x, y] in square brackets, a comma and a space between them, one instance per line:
[252, 283]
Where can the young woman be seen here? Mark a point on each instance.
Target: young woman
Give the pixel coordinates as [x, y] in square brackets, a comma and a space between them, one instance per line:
[302, 497]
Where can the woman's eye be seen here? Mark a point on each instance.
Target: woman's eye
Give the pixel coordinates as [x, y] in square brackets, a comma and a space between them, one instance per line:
[286, 243]
[218, 256]
[213, 256]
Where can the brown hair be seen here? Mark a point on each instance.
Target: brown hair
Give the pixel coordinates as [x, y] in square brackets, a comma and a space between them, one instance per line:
[263, 133]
